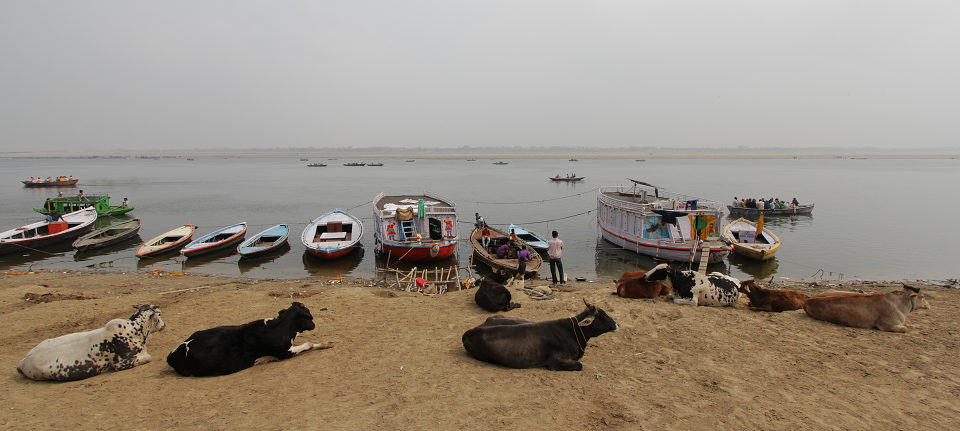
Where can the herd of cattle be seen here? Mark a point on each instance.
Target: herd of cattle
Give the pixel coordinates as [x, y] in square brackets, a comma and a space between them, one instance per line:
[513, 342]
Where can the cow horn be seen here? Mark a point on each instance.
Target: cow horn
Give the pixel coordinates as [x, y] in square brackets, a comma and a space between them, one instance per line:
[909, 287]
[589, 305]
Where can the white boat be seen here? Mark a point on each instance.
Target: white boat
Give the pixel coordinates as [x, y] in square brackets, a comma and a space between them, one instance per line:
[648, 220]
[43, 233]
[415, 228]
[529, 237]
[168, 241]
[332, 235]
[742, 234]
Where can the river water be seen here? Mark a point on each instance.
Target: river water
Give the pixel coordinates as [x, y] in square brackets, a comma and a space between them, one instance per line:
[875, 219]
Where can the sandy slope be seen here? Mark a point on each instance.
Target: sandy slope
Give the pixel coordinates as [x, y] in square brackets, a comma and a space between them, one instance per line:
[398, 363]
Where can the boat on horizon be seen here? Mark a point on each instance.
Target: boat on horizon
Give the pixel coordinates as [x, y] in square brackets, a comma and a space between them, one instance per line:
[109, 235]
[574, 179]
[60, 181]
[316, 165]
[500, 163]
[332, 235]
[166, 242]
[43, 233]
[354, 164]
[415, 227]
[220, 239]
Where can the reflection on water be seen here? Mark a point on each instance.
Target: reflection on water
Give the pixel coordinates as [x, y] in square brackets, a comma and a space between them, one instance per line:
[332, 267]
[758, 269]
[247, 264]
[32, 257]
[220, 257]
[612, 261]
[130, 244]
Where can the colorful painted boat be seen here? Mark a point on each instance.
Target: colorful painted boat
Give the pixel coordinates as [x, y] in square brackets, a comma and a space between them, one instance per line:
[648, 220]
[222, 238]
[167, 242]
[53, 182]
[109, 235]
[74, 203]
[43, 233]
[786, 211]
[269, 240]
[509, 263]
[332, 235]
[742, 234]
[415, 228]
[529, 237]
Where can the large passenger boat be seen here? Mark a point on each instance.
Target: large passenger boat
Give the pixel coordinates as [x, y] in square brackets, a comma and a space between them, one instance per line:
[648, 220]
[415, 228]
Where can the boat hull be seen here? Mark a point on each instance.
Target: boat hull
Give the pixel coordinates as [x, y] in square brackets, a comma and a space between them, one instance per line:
[230, 243]
[83, 219]
[90, 241]
[249, 248]
[204, 245]
[67, 183]
[419, 253]
[664, 249]
[331, 253]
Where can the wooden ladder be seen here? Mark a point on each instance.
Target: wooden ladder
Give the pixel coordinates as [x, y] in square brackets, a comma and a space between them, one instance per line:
[704, 258]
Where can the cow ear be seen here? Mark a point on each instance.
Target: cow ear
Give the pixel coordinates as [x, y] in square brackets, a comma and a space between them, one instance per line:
[586, 322]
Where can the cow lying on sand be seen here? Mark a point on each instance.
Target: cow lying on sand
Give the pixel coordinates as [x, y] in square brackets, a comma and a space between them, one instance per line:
[689, 287]
[493, 296]
[228, 349]
[774, 300]
[883, 311]
[635, 284]
[520, 343]
[119, 345]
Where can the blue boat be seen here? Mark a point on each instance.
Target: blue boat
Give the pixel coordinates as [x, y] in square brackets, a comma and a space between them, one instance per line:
[531, 238]
[264, 242]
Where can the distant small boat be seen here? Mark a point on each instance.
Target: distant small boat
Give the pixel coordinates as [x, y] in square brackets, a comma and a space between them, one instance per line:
[217, 240]
[304, 159]
[168, 241]
[573, 160]
[411, 160]
[265, 242]
[471, 160]
[375, 164]
[640, 160]
[500, 163]
[54, 182]
[42, 233]
[109, 235]
[529, 237]
[741, 233]
[567, 179]
[332, 235]
[354, 164]
[316, 165]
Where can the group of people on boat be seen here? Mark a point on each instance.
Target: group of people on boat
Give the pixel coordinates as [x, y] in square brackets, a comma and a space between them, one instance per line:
[51, 179]
[567, 177]
[768, 204]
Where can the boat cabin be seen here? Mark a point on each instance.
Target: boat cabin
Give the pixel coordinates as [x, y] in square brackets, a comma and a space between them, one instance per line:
[647, 212]
[69, 204]
[415, 218]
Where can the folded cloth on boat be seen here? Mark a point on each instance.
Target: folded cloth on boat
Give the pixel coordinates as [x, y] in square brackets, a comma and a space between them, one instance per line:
[404, 214]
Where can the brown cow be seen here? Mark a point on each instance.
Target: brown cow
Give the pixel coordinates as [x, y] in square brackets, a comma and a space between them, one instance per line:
[884, 311]
[634, 284]
[774, 300]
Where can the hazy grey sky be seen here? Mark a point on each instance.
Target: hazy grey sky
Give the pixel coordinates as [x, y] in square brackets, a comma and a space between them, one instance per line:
[101, 75]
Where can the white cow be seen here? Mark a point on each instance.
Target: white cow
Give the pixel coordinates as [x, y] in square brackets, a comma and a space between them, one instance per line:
[119, 345]
[690, 287]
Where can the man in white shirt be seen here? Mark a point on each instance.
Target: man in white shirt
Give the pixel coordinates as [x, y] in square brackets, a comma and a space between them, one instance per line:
[555, 249]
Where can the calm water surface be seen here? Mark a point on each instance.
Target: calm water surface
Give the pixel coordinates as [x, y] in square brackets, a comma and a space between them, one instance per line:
[874, 219]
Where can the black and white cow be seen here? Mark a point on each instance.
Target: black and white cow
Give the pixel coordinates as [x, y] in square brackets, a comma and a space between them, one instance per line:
[493, 296]
[119, 345]
[520, 343]
[228, 349]
[690, 287]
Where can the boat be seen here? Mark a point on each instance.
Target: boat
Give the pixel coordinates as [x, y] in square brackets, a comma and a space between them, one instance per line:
[354, 164]
[573, 160]
[648, 220]
[42, 233]
[269, 240]
[509, 264]
[471, 160]
[50, 182]
[742, 234]
[410, 160]
[500, 163]
[529, 237]
[789, 209]
[108, 235]
[332, 235]
[415, 227]
[567, 179]
[219, 239]
[304, 159]
[316, 165]
[168, 241]
[375, 164]
[68, 204]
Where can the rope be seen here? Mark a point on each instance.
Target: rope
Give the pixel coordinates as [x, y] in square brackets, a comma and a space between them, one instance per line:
[536, 201]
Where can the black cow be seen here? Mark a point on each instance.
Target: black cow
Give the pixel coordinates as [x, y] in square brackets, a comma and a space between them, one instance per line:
[493, 296]
[520, 343]
[228, 349]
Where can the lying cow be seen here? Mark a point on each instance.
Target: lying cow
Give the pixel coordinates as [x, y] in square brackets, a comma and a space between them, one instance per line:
[493, 296]
[690, 287]
[883, 311]
[520, 343]
[228, 349]
[635, 284]
[119, 345]
[774, 300]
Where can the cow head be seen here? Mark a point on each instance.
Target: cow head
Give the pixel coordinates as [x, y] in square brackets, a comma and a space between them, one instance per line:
[302, 319]
[746, 286]
[916, 298]
[150, 315]
[596, 320]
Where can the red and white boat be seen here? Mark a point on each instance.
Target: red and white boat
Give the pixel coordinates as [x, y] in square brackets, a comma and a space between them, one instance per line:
[166, 242]
[219, 239]
[43, 233]
[332, 235]
[415, 228]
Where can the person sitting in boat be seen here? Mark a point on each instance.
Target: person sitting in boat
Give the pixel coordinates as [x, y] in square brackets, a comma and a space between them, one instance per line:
[479, 221]
[503, 250]
[80, 196]
[485, 237]
[125, 203]
[558, 176]
[54, 215]
[795, 202]
[736, 202]
[60, 194]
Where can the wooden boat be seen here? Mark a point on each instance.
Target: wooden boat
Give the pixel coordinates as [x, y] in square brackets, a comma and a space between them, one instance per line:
[68, 204]
[354, 164]
[648, 220]
[219, 239]
[332, 235]
[529, 237]
[741, 233]
[269, 240]
[316, 165]
[109, 235]
[500, 163]
[788, 210]
[573, 160]
[567, 179]
[42, 233]
[166, 242]
[415, 228]
[375, 164]
[53, 182]
[410, 160]
[509, 263]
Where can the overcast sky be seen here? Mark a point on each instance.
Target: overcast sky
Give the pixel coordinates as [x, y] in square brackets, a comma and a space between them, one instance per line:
[142, 75]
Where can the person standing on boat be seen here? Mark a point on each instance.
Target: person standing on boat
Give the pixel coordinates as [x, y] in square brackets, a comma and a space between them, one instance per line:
[80, 196]
[736, 202]
[125, 203]
[555, 250]
[795, 202]
[523, 256]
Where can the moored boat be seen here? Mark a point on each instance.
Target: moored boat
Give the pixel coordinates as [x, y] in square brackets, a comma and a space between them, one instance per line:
[267, 241]
[50, 182]
[316, 165]
[354, 164]
[219, 239]
[415, 228]
[751, 239]
[332, 235]
[68, 204]
[566, 179]
[648, 220]
[500, 163]
[43, 233]
[787, 210]
[529, 237]
[166, 242]
[508, 262]
[109, 235]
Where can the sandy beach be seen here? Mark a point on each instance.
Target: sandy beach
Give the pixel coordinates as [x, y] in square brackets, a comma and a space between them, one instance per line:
[398, 362]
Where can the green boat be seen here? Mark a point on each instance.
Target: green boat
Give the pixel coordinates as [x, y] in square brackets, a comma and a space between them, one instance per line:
[69, 204]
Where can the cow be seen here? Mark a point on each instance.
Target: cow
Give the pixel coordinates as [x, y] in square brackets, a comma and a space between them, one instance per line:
[635, 284]
[690, 287]
[519, 343]
[228, 349]
[493, 296]
[883, 311]
[773, 300]
[119, 345]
